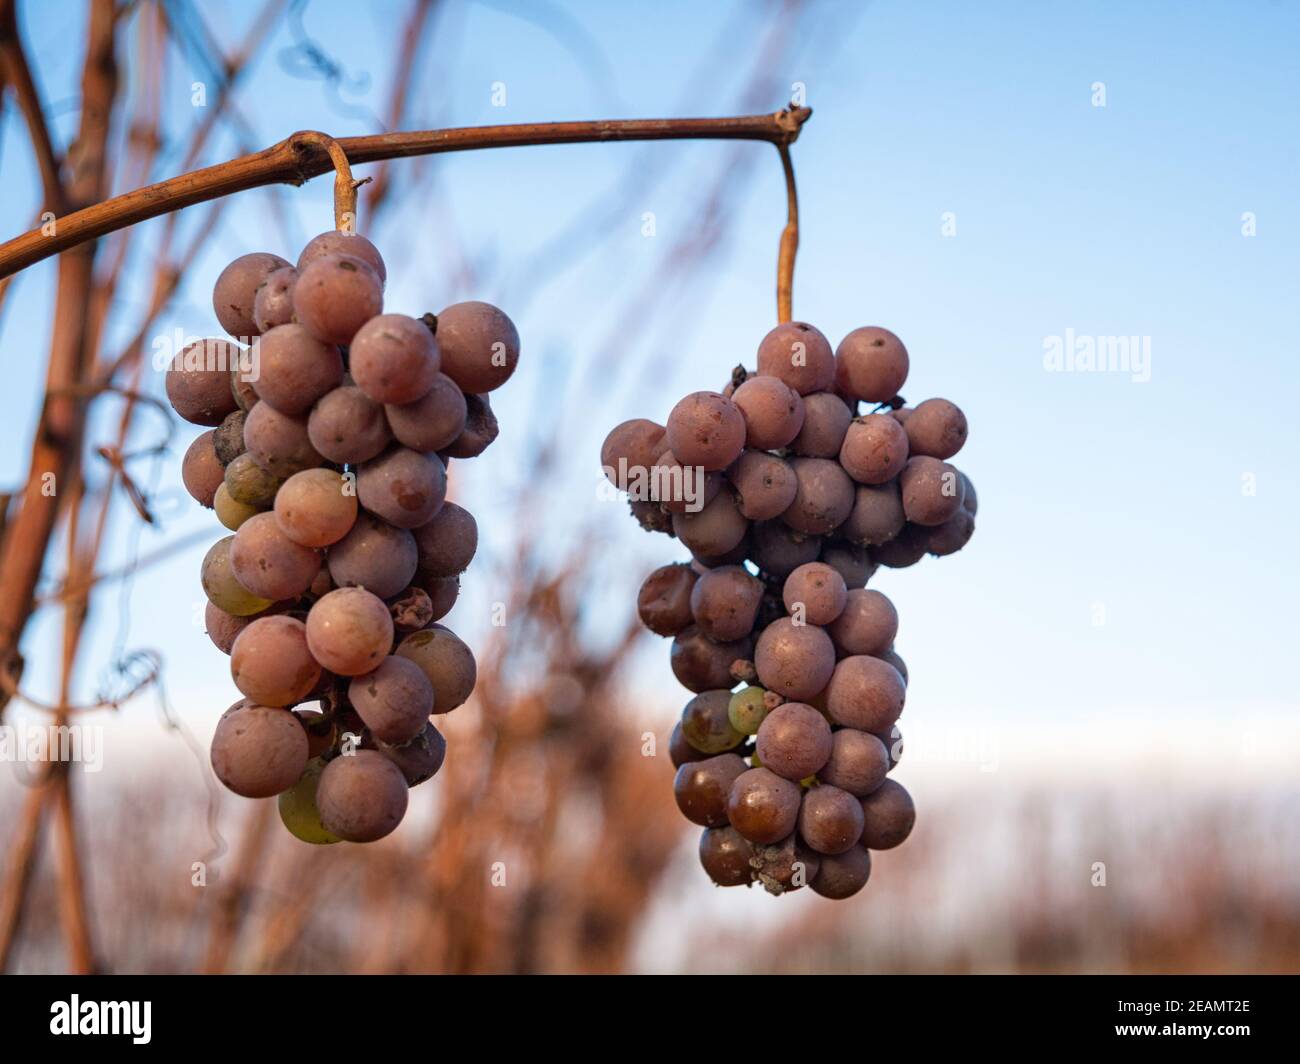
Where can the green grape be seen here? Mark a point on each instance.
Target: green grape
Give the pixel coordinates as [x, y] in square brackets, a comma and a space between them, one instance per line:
[230, 513]
[747, 709]
[249, 483]
[221, 587]
[298, 808]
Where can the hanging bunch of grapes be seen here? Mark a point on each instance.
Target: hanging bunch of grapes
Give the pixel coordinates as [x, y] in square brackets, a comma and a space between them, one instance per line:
[332, 428]
[789, 498]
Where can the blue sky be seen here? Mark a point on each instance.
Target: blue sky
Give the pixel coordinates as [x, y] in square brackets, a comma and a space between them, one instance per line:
[1099, 496]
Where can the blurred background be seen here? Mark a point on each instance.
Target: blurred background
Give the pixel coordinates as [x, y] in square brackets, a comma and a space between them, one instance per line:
[1102, 728]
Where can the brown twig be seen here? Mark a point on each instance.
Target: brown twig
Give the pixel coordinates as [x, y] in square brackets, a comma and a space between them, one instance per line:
[22, 850]
[18, 73]
[301, 157]
[55, 454]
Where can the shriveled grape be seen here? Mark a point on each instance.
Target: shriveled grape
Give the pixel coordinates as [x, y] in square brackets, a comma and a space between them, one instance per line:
[701, 665]
[420, 758]
[241, 388]
[724, 855]
[664, 601]
[784, 866]
[701, 788]
[249, 484]
[228, 438]
[481, 429]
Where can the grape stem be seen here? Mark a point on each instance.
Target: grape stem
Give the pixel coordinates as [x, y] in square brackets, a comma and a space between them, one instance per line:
[345, 188]
[308, 154]
[789, 242]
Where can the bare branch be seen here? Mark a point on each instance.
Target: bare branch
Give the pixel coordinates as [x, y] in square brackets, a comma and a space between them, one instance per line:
[296, 160]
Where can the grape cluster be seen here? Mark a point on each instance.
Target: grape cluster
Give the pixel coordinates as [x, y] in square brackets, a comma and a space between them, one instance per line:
[331, 426]
[789, 498]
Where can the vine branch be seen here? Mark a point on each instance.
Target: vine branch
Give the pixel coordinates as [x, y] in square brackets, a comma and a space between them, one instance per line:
[305, 155]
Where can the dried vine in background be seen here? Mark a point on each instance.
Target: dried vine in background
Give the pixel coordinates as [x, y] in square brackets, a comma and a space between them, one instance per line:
[82, 304]
[82, 216]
